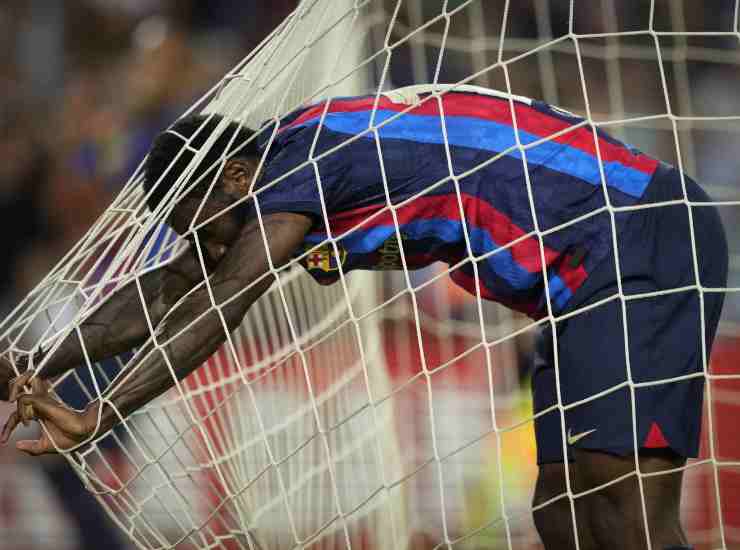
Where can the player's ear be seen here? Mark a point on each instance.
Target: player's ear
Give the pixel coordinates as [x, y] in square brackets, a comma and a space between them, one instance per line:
[238, 175]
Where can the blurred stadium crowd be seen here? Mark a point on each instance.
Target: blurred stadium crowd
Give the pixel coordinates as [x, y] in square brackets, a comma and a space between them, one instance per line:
[86, 86]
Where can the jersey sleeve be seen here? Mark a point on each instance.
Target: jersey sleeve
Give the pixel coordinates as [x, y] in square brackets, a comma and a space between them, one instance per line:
[290, 183]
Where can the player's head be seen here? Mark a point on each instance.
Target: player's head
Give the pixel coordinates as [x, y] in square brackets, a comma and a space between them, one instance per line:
[171, 155]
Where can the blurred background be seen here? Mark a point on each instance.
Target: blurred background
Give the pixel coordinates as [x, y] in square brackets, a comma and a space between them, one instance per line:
[87, 84]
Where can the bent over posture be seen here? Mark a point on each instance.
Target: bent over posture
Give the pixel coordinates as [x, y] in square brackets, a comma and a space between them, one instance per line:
[522, 201]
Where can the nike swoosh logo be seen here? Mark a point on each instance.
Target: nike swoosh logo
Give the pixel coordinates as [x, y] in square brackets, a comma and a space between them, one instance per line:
[573, 439]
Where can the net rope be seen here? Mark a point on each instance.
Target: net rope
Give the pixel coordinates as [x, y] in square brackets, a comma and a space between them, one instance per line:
[298, 432]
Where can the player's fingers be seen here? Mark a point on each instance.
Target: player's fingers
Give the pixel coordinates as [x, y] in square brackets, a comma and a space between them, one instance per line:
[43, 407]
[17, 385]
[25, 410]
[34, 407]
[9, 427]
[35, 447]
[39, 386]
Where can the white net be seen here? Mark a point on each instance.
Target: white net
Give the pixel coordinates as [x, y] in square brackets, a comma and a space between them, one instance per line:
[276, 442]
[388, 410]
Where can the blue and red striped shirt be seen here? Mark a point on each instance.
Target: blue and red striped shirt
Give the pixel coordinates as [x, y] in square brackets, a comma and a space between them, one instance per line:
[444, 179]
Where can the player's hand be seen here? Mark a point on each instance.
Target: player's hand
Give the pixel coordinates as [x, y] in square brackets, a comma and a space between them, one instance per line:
[63, 427]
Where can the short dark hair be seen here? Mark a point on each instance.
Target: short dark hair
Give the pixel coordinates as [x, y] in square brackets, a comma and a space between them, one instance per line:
[169, 143]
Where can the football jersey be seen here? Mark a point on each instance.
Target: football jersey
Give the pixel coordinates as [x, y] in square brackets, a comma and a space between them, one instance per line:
[473, 178]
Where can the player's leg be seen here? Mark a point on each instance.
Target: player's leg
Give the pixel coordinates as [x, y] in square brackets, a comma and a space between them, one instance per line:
[616, 516]
[552, 512]
[663, 422]
[602, 434]
[662, 416]
[553, 520]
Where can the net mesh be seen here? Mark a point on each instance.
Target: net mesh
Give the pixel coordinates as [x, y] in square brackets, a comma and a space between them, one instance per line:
[388, 410]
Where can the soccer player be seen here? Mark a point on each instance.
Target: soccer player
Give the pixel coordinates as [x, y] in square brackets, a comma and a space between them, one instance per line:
[465, 193]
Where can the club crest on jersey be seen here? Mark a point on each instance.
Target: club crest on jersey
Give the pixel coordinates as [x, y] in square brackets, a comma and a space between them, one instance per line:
[324, 259]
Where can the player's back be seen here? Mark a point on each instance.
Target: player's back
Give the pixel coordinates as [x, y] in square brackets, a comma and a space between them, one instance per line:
[450, 172]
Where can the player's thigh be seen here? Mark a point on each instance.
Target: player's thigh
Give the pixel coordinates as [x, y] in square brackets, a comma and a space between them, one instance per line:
[660, 470]
[550, 487]
[621, 496]
[630, 370]
[557, 515]
[650, 397]
[551, 510]
[609, 420]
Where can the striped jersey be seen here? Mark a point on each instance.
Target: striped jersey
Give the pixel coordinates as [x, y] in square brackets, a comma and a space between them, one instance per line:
[470, 177]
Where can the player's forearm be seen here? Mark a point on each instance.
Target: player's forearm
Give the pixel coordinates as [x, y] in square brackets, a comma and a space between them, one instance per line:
[194, 330]
[186, 343]
[117, 326]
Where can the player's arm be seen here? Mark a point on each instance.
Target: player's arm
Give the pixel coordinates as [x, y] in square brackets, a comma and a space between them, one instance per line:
[189, 334]
[118, 325]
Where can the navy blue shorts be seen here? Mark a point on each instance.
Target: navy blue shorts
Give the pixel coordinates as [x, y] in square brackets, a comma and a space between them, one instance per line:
[663, 331]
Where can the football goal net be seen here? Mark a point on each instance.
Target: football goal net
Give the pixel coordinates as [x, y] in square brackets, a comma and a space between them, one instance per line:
[391, 409]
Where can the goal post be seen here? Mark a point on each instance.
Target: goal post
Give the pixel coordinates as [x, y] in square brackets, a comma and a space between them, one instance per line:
[391, 410]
